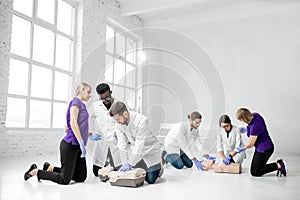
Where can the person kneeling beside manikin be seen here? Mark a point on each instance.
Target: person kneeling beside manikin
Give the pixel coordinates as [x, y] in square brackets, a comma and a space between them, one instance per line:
[182, 143]
[136, 141]
[228, 140]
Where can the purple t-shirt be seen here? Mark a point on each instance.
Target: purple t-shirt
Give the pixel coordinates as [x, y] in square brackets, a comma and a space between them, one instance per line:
[82, 121]
[257, 127]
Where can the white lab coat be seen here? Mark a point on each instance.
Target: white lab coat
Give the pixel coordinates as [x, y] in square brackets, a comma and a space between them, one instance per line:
[102, 123]
[227, 145]
[136, 141]
[183, 136]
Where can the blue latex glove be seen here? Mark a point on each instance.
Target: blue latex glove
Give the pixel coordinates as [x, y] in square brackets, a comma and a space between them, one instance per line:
[210, 158]
[83, 150]
[125, 167]
[240, 149]
[227, 161]
[95, 137]
[243, 130]
[198, 164]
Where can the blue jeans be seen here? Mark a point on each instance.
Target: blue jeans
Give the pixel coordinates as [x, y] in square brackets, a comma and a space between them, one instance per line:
[179, 161]
[152, 173]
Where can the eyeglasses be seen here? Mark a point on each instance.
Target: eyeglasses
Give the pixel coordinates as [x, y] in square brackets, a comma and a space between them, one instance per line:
[108, 98]
[226, 126]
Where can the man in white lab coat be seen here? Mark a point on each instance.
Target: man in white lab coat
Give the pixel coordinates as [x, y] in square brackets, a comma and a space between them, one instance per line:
[182, 143]
[104, 132]
[136, 141]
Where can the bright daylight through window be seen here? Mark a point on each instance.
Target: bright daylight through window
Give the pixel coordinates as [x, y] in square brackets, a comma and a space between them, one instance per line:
[40, 73]
[121, 66]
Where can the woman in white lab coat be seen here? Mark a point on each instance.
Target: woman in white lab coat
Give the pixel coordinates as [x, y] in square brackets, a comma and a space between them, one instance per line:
[182, 143]
[228, 139]
[136, 141]
[104, 132]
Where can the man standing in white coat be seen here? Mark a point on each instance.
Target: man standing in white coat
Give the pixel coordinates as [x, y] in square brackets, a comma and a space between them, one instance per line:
[104, 132]
[182, 143]
[136, 141]
[228, 140]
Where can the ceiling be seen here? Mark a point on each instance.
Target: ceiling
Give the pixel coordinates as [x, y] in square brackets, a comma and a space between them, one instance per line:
[183, 12]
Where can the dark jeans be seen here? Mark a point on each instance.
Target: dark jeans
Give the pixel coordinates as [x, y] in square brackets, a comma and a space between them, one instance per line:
[73, 167]
[152, 173]
[259, 164]
[179, 161]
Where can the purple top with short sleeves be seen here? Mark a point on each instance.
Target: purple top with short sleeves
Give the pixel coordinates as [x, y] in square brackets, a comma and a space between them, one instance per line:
[257, 127]
[82, 121]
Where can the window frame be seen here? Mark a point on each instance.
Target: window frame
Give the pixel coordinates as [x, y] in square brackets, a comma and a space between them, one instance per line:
[34, 20]
[120, 30]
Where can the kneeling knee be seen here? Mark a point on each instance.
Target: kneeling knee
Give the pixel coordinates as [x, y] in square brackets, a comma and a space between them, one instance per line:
[255, 173]
[65, 182]
[189, 165]
[150, 181]
[179, 166]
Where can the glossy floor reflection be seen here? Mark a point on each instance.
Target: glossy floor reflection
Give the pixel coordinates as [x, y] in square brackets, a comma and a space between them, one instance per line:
[175, 184]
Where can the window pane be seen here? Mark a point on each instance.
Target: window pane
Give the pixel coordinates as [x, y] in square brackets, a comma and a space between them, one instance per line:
[110, 33]
[23, 6]
[130, 98]
[108, 75]
[40, 114]
[20, 37]
[130, 76]
[45, 10]
[65, 17]
[62, 86]
[134, 52]
[43, 45]
[16, 112]
[41, 82]
[63, 57]
[129, 51]
[120, 45]
[119, 72]
[59, 115]
[110, 39]
[139, 99]
[118, 93]
[18, 77]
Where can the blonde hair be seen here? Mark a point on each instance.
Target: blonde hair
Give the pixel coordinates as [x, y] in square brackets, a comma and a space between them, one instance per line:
[81, 87]
[194, 115]
[243, 114]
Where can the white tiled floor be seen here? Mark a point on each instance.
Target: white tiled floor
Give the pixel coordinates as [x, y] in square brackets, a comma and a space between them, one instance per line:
[175, 184]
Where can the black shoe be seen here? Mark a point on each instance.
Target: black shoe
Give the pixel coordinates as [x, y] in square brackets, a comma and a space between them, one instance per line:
[283, 169]
[163, 154]
[96, 169]
[27, 174]
[46, 166]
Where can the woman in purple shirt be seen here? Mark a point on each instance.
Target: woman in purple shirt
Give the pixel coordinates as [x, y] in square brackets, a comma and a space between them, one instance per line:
[259, 138]
[72, 146]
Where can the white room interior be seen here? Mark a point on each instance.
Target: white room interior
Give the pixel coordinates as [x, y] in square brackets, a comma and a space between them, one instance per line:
[213, 56]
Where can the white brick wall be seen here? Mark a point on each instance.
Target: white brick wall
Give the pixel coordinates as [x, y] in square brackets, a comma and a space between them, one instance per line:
[20, 143]
[5, 32]
[89, 34]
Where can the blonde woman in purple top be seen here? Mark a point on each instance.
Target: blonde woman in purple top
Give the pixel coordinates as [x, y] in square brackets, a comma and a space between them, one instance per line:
[259, 138]
[72, 146]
